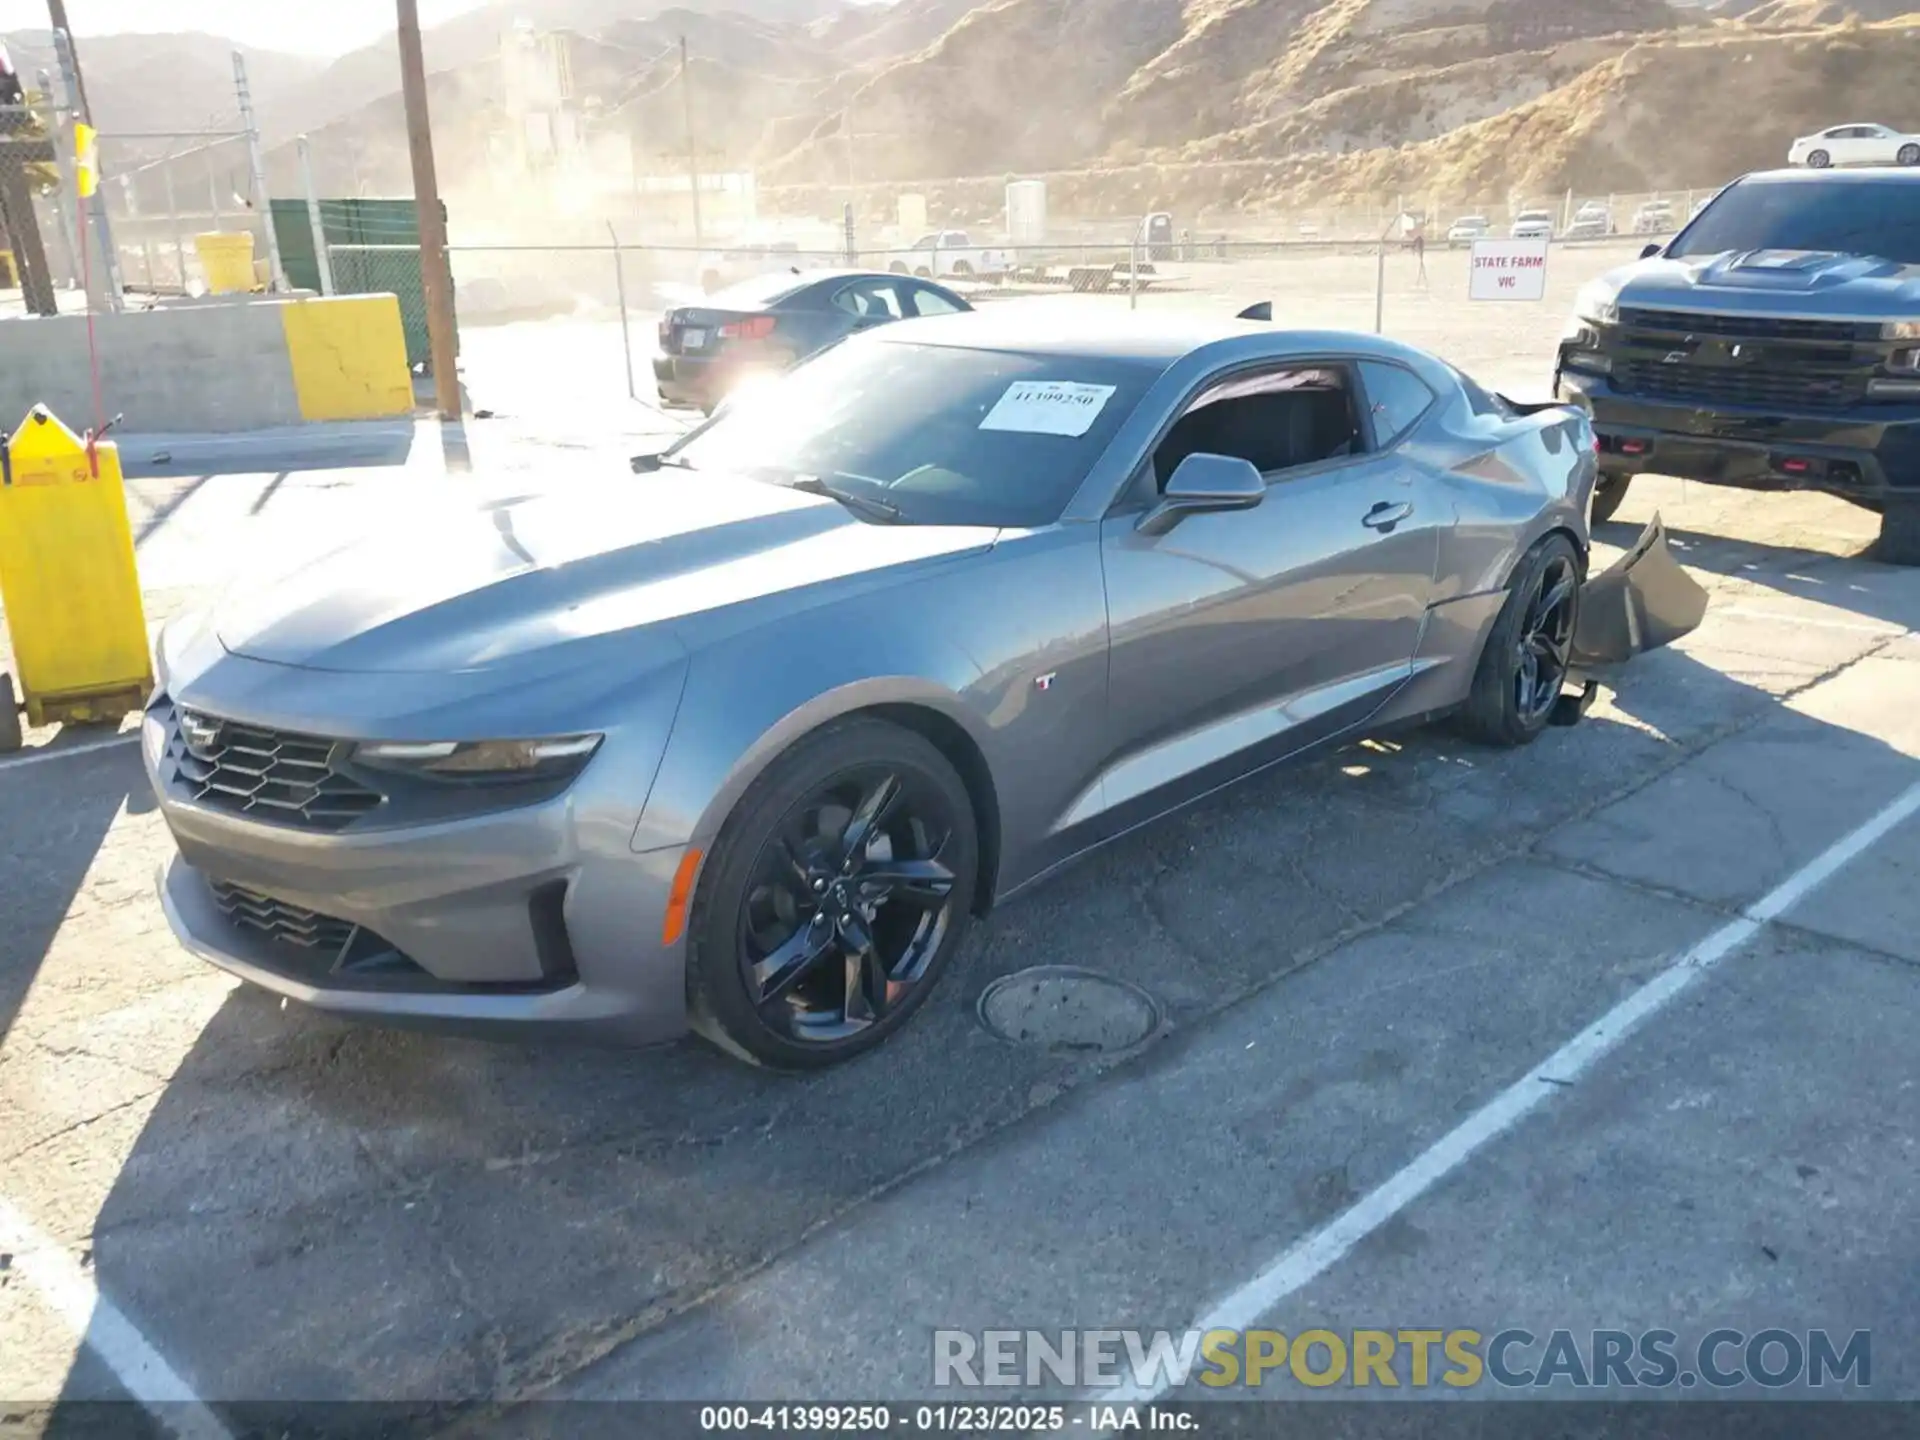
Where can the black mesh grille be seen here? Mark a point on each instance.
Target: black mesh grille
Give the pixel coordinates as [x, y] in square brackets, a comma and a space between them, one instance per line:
[1750, 327]
[279, 920]
[267, 775]
[1740, 385]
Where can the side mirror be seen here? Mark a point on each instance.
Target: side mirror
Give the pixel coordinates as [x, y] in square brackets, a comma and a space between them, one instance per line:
[645, 464]
[1649, 251]
[1204, 483]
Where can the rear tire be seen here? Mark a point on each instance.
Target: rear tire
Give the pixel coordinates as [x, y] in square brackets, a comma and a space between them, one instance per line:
[1899, 542]
[1608, 493]
[12, 737]
[1511, 703]
[1819, 160]
[785, 841]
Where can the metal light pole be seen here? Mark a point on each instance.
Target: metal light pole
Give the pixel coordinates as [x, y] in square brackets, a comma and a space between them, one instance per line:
[257, 162]
[57, 22]
[435, 278]
[315, 222]
[693, 148]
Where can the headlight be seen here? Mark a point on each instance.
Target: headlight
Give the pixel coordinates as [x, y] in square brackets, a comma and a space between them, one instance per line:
[1900, 330]
[552, 758]
[1597, 303]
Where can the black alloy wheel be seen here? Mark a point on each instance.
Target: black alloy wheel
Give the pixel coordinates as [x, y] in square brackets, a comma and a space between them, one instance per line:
[1525, 663]
[1544, 651]
[836, 901]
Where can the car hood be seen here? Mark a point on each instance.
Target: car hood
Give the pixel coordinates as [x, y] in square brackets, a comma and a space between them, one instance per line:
[477, 586]
[1784, 282]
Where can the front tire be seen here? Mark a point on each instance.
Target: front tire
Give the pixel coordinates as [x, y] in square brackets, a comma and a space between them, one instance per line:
[837, 894]
[1819, 160]
[1899, 542]
[1909, 155]
[1523, 668]
[1609, 491]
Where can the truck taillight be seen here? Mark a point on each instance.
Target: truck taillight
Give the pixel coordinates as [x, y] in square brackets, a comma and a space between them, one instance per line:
[758, 328]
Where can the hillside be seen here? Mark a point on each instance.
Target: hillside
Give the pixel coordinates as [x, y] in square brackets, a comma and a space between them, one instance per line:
[165, 82]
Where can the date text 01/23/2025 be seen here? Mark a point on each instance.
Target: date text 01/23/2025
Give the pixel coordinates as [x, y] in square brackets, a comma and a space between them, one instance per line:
[961, 1419]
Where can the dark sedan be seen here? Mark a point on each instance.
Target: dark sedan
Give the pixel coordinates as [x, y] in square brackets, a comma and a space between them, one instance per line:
[772, 322]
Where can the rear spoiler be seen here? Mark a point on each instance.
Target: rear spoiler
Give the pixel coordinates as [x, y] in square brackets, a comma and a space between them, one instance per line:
[1534, 407]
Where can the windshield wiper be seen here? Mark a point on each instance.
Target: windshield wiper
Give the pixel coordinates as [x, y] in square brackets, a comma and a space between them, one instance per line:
[868, 505]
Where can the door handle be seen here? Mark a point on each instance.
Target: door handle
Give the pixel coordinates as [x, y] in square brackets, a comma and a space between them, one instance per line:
[1386, 515]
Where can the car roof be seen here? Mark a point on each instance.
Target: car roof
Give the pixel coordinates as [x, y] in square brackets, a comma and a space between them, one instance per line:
[1835, 177]
[1156, 338]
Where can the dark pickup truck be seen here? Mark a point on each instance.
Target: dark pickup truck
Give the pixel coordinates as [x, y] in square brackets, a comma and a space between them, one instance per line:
[1773, 344]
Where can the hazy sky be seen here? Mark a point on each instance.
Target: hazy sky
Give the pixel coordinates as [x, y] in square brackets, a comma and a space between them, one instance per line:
[330, 27]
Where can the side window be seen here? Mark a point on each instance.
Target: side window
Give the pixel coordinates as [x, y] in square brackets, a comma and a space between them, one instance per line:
[927, 301]
[1278, 419]
[870, 300]
[1396, 399]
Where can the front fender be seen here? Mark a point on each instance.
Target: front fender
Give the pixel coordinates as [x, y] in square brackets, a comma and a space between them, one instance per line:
[1644, 600]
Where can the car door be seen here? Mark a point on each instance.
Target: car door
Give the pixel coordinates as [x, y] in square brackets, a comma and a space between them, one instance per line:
[1243, 636]
[1855, 145]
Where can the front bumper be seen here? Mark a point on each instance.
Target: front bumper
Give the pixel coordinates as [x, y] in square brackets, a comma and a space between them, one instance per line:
[1863, 454]
[512, 921]
[1642, 602]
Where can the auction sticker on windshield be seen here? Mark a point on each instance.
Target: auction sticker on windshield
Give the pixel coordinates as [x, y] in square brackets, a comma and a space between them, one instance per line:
[1048, 407]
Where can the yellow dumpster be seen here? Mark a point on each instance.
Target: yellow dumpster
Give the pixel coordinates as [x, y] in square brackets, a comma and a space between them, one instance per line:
[226, 258]
[9, 271]
[68, 581]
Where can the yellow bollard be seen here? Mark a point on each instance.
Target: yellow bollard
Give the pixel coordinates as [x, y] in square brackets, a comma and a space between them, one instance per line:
[68, 580]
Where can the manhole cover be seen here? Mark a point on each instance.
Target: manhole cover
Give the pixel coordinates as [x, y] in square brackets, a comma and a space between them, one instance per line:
[1056, 1007]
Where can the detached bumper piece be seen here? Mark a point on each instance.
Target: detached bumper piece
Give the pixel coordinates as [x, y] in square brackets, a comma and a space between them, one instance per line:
[1641, 602]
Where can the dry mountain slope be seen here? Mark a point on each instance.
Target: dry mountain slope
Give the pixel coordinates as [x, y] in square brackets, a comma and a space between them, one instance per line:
[1637, 122]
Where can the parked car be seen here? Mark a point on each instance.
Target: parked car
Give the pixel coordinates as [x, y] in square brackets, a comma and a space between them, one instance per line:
[1655, 217]
[774, 321]
[746, 743]
[721, 268]
[1593, 221]
[1533, 225]
[1770, 346]
[1855, 144]
[1467, 229]
[952, 255]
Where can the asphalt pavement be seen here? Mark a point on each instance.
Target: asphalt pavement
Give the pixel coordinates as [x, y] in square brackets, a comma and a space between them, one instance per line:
[1610, 1033]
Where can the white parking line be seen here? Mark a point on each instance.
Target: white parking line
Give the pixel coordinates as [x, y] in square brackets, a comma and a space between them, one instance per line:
[105, 1330]
[1308, 1258]
[58, 752]
[1820, 622]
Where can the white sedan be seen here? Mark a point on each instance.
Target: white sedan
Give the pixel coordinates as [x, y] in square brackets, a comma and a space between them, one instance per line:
[1533, 225]
[1855, 145]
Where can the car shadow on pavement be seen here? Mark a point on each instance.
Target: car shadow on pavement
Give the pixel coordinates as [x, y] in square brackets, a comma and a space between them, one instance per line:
[317, 1212]
[55, 815]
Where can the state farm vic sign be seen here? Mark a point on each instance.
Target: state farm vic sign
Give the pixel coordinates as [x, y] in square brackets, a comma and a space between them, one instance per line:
[1508, 270]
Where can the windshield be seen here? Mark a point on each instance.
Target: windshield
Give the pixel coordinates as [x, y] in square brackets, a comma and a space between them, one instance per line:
[1838, 216]
[939, 436]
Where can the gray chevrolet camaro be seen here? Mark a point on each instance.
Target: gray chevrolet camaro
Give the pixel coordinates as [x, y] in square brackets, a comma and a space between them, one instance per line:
[743, 741]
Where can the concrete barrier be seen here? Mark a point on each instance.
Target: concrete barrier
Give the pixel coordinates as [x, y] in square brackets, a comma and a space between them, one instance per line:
[215, 366]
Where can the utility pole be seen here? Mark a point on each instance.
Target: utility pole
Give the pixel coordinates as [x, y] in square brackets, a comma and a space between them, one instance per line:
[57, 21]
[435, 278]
[693, 148]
